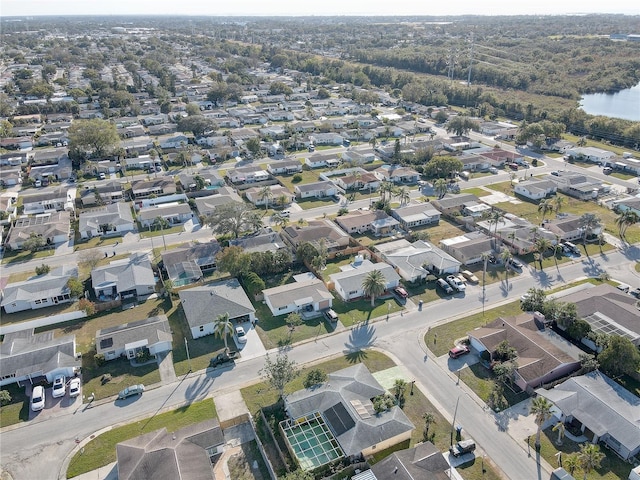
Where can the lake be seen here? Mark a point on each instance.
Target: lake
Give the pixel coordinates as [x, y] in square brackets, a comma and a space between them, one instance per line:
[624, 104]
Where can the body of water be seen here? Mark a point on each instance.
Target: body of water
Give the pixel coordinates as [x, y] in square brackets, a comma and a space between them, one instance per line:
[624, 104]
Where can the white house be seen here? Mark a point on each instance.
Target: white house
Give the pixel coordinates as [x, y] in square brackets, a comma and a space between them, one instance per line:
[127, 278]
[278, 195]
[39, 291]
[284, 167]
[591, 154]
[348, 283]
[415, 260]
[127, 340]
[307, 295]
[53, 201]
[109, 220]
[416, 215]
[536, 189]
[316, 190]
[174, 213]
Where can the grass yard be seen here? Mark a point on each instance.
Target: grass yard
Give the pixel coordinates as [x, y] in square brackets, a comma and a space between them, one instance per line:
[241, 464]
[309, 203]
[477, 191]
[480, 379]
[158, 233]
[123, 374]
[334, 267]
[445, 229]
[21, 276]
[19, 256]
[358, 311]
[17, 410]
[26, 315]
[102, 450]
[308, 176]
[96, 242]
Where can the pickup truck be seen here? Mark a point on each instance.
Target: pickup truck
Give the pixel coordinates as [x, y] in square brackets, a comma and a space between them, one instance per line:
[462, 447]
[222, 358]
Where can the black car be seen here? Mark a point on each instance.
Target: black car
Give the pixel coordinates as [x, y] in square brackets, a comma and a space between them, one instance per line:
[222, 358]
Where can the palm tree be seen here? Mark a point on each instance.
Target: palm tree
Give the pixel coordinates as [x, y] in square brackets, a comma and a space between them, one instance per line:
[542, 245]
[545, 206]
[440, 187]
[590, 457]
[571, 463]
[625, 220]
[280, 220]
[223, 327]
[588, 223]
[386, 188]
[265, 195]
[495, 217]
[541, 408]
[557, 203]
[160, 223]
[429, 419]
[506, 257]
[374, 284]
[560, 428]
[373, 142]
[557, 247]
[403, 195]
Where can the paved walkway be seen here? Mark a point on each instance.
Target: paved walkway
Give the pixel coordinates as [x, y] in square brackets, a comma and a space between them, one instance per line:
[165, 367]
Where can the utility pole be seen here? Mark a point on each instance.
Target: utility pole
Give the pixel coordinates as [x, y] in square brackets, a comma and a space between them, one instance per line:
[470, 61]
[453, 424]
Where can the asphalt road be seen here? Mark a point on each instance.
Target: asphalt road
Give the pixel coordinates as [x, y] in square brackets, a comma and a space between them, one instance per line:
[37, 449]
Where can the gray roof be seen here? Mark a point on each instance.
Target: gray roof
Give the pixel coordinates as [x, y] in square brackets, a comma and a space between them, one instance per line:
[150, 213]
[601, 405]
[25, 353]
[114, 214]
[411, 257]
[424, 461]
[57, 194]
[180, 455]
[203, 304]
[287, 294]
[223, 195]
[48, 285]
[312, 187]
[271, 241]
[452, 201]
[48, 225]
[350, 391]
[351, 279]
[415, 211]
[125, 274]
[153, 329]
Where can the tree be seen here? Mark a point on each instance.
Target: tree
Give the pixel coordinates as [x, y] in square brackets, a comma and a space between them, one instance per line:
[5, 397]
[197, 124]
[571, 462]
[75, 286]
[306, 252]
[253, 283]
[545, 206]
[542, 245]
[541, 408]
[440, 187]
[589, 222]
[590, 457]
[403, 195]
[504, 371]
[95, 136]
[90, 259]
[43, 269]
[280, 220]
[429, 419]
[505, 352]
[293, 320]
[266, 195]
[619, 357]
[374, 284]
[234, 260]
[557, 203]
[6, 129]
[625, 220]
[87, 306]
[534, 302]
[199, 181]
[461, 125]
[314, 377]
[442, 167]
[497, 400]
[496, 216]
[233, 218]
[223, 327]
[506, 258]
[399, 389]
[279, 371]
[298, 475]
[160, 223]
[33, 243]
[579, 329]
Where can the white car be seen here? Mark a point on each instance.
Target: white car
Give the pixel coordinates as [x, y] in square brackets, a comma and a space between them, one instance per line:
[74, 387]
[59, 386]
[456, 283]
[241, 336]
[37, 398]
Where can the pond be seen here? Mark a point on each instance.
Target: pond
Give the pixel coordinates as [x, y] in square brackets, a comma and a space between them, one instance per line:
[624, 104]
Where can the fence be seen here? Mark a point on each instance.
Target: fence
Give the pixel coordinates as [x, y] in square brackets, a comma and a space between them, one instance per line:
[263, 452]
[42, 322]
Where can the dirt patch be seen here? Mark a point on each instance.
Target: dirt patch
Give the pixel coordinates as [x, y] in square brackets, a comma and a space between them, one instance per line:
[245, 465]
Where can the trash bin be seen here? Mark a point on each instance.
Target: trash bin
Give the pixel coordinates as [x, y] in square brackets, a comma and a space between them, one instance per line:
[420, 306]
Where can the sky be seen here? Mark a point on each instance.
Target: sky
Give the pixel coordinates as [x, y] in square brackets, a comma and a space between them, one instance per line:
[311, 7]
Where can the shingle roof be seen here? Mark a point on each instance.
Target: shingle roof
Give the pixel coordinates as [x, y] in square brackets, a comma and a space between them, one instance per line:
[424, 461]
[284, 295]
[203, 304]
[153, 329]
[351, 279]
[49, 285]
[124, 274]
[151, 212]
[114, 214]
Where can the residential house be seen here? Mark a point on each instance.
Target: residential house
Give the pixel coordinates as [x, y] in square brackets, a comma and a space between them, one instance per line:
[362, 221]
[210, 176]
[568, 227]
[156, 186]
[55, 200]
[476, 209]
[344, 404]
[498, 129]
[164, 129]
[112, 219]
[330, 138]
[348, 282]
[248, 174]
[26, 356]
[535, 189]
[358, 157]
[173, 141]
[469, 248]
[127, 340]
[54, 227]
[10, 177]
[591, 154]
[451, 204]
[603, 410]
[320, 189]
[203, 305]
[284, 167]
[306, 296]
[539, 360]
[364, 181]
[632, 204]
[39, 291]
[206, 205]
[124, 279]
[557, 145]
[175, 213]
[321, 160]
[263, 242]
[517, 234]
[423, 461]
[137, 145]
[397, 174]
[103, 193]
[499, 157]
[416, 215]
[185, 454]
[278, 195]
[185, 265]
[579, 186]
[335, 239]
[624, 164]
[414, 261]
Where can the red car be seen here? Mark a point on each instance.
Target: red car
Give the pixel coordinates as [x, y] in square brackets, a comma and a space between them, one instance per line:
[513, 166]
[401, 292]
[458, 351]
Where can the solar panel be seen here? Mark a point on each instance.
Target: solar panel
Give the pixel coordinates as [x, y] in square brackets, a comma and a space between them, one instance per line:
[338, 417]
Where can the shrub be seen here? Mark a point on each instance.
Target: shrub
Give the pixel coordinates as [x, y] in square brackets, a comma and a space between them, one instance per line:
[297, 178]
[106, 378]
[314, 377]
[5, 397]
[88, 306]
[99, 359]
[42, 269]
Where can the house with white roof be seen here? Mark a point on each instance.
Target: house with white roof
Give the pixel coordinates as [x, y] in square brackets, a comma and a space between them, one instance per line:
[414, 261]
[39, 291]
[306, 296]
[112, 219]
[348, 282]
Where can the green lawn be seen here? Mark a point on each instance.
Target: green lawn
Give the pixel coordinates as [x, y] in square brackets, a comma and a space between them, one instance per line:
[123, 374]
[308, 176]
[445, 229]
[480, 379]
[102, 450]
[477, 191]
[18, 409]
[309, 203]
[357, 311]
[96, 242]
[158, 233]
[18, 256]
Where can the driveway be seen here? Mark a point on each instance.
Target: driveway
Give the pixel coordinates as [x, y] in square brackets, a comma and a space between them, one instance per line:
[165, 366]
[253, 347]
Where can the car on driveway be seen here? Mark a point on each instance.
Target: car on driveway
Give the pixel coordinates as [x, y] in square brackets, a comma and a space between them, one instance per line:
[401, 292]
[130, 391]
[59, 386]
[241, 336]
[444, 286]
[74, 387]
[37, 398]
[515, 264]
[458, 351]
[456, 283]
[331, 315]
[470, 277]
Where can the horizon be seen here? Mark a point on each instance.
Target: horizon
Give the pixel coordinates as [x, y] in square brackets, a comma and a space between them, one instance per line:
[328, 8]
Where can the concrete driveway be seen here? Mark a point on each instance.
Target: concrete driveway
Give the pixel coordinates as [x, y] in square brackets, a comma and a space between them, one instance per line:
[253, 347]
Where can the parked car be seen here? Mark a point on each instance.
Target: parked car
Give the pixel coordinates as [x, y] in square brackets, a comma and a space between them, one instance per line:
[513, 166]
[74, 387]
[130, 391]
[222, 358]
[241, 336]
[493, 170]
[555, 173]
[401, 292]
[469, 276]
[102, 176]
[624, 287]
[59, 386]
[37, 398]
[331, 315]
[444, 286]
[455, 282]
[462, 447]
[458, 351]
[285, 213]
[513, 263]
